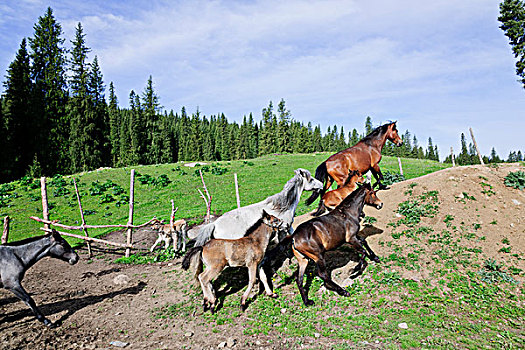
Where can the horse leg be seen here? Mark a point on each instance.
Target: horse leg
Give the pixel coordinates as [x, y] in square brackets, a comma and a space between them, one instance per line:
[376, 171]
[183, 237]
[205, 279]
[303, 263]
[156, 243]
[325, 276]
[358, 270]
[264, 280]
[370, 253]
[21, 294]
[252, 278]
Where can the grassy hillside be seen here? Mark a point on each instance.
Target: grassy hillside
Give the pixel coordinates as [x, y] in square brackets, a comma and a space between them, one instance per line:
[104, 192]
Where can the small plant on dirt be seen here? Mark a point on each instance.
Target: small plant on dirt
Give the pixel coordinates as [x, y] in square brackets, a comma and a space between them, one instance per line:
[413, 210]
[369, 220]
[505, 241]
[494, 222]
[448, 219]
[515, 180]
[505, 250]
[492, 272]
[476, 226]
[139, 259]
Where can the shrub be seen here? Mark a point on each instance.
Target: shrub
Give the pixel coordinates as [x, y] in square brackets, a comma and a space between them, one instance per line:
[391, 177]
[515, 179]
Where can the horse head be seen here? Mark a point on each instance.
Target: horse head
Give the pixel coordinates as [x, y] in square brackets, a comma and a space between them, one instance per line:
[371, 198]
[393, 135]
[60, 249]
[310, 182]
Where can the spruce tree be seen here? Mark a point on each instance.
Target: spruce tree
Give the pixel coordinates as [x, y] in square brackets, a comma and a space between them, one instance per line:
[151, 107]
[368, 126]
[17, 125]
[114, 116]
[283, 129]
[99, 140]
[50, 94]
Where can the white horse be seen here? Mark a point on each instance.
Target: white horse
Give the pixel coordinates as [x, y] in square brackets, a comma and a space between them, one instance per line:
[235, 223]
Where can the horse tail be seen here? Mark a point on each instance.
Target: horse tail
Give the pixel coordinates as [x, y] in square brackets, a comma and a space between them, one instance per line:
[321, 209]
[189, 255]
[205, 235]
[321, 174]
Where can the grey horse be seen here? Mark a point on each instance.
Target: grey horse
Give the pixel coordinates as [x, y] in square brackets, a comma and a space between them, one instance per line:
[17, 257]
[235, 223]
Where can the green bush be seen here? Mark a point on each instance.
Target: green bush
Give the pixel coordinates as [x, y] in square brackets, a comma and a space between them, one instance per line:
[515, 179]
[391, 177]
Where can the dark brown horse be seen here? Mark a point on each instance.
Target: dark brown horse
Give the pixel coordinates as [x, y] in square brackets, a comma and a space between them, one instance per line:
[362, 157]
[313, 238]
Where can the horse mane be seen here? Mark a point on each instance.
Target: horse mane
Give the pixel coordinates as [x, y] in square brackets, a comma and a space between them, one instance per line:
[25, 241]
[253, 227]
[283, 200]
[380, 130]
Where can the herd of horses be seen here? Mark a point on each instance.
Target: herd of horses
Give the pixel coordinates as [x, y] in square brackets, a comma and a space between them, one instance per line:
[260, 235]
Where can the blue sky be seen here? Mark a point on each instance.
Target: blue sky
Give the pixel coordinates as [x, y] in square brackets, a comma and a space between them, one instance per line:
[437, 67]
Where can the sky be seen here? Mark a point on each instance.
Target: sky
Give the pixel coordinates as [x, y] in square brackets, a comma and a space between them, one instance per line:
[436, 67]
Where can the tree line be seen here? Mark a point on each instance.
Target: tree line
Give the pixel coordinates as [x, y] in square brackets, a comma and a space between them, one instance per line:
[55, 117]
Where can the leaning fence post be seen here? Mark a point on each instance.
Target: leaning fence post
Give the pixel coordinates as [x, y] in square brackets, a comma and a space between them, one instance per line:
[452, 156]
[476, 146]
[45, 208]
[90, 253]
[130, 220]
[5, 235]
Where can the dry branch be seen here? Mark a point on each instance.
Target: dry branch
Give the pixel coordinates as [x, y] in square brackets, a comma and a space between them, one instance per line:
[98, 240]
[208, 202]
[45, 208]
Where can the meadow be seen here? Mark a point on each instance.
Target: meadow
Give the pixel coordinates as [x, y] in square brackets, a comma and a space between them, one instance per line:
[105, 192]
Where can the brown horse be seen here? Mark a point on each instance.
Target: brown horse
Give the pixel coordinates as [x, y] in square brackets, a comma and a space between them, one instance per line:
[246, 251]
[332, 199]
[362, 157]
[313, 238]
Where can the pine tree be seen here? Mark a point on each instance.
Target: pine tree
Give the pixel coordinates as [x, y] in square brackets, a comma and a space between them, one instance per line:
[136, 130]
[463, 158]
[368, 126]
[354, 138]
[4, 165]
[50, 95]
[100, 143]
[283, 129]
[18, 131]
[114, 116]
[266, 144]
[317, 139]
[151, 107]
[494, 158]
[512, 18]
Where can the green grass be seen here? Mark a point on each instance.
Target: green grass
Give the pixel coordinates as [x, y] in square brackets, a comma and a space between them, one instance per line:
[104, 192]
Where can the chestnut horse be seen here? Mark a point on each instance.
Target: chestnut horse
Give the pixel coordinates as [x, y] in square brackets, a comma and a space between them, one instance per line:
[313, 238]
[362, 157]
[332, 199]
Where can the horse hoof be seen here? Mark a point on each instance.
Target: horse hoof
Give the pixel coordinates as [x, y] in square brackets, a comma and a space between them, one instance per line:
[309, 303]
[48, 323]
[243, 307]
[376, 259]
[384, 187]
[273, 295]
[345, 293]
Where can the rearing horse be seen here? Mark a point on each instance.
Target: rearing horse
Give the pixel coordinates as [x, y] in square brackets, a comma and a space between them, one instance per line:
[362, 157]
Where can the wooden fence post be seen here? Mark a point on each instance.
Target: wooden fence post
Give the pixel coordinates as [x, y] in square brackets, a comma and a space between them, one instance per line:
[130, 220]
[476, 146]
[400, 166]
[452, 156]
[5, 234]
[90, 253]
[237, 190]
[45, 208]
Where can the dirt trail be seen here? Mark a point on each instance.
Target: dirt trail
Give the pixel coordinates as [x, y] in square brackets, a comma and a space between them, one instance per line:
[98, 301]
